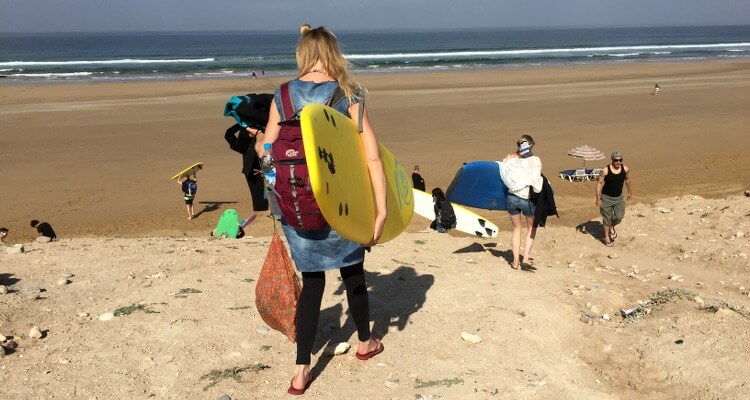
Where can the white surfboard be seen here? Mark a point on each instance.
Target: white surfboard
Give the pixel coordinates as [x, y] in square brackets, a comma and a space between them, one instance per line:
[466, 221]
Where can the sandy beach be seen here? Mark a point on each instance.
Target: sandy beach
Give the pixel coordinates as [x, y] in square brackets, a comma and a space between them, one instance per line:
[94, 159]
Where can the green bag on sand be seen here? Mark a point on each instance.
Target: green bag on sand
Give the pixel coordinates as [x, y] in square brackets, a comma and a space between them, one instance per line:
[229, 224]
[277, 290]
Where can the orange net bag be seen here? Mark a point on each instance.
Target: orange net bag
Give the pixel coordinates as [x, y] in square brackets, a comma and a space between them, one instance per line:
[278, 290]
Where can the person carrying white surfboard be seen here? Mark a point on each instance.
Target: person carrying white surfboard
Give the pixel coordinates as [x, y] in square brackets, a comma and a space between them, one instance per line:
[521, 173]
[323, 71]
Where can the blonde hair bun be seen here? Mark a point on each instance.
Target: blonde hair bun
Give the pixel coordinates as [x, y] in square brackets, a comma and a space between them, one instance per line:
[304, 28]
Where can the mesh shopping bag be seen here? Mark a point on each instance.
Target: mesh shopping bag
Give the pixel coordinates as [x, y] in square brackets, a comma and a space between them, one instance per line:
[278, 290]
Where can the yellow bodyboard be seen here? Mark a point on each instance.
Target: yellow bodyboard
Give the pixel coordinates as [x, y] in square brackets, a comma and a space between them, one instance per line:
[340, 177]
[191, 170]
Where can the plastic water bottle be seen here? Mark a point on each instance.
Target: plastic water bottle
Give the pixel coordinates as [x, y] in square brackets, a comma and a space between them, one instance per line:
[266, 165]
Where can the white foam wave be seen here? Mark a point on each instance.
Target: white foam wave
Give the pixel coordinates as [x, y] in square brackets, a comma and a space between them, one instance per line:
[624, 54]
[560, 51]
[53, 75]
[123, 61]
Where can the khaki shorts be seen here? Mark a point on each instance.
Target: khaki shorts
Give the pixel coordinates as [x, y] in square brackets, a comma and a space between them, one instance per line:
[612, 210]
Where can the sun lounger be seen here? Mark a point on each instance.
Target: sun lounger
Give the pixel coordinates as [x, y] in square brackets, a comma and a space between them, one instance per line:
[567, 174]
[574, 175]
[594, 175]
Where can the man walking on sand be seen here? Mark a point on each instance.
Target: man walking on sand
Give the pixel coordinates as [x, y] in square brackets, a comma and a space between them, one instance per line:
[609, 196]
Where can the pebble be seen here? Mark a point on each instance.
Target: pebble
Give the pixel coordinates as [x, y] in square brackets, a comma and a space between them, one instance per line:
[471, 338]
[83, 314]
[612, 256]
[64, 361]
[35, 333]
[3, 289]
[15, 249]
[224, 397]
[262, 329]
[740, 234]
[674, 277]
[106, 316]
[664, 210]
[337, 350]
[606, 317]
[63, 282]
[698, 300]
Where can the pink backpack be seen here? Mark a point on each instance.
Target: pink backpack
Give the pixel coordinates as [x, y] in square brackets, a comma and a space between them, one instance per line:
[294, 193]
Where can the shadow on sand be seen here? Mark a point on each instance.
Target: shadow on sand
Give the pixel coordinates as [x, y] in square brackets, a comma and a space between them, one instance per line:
[594, 228]
[211, 206]
[403, 284]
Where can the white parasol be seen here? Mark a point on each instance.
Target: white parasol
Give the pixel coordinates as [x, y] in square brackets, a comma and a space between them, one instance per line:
[586, 153]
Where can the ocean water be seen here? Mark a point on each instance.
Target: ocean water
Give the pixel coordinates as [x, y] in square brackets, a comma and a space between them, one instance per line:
[202, 55]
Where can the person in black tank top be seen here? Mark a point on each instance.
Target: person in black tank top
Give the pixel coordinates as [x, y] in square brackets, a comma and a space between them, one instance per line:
[609, 196]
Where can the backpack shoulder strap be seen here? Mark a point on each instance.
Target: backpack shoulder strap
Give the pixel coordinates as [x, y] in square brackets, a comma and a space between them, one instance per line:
[361, 113]
[287, 107]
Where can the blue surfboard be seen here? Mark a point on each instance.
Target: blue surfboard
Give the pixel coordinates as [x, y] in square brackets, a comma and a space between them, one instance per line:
[478, 184]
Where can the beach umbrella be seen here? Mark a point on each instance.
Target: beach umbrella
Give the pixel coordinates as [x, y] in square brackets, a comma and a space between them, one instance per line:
[586, 153]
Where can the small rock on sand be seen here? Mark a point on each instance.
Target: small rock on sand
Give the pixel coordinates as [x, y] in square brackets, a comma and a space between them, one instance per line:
[224, 397]
[15, 249]
[63, 282]
[106, 316]
[612, 256]
[262, 329]
[337, 350]
[3, 289]
[35, 333]
[471, 338]
[698, 300]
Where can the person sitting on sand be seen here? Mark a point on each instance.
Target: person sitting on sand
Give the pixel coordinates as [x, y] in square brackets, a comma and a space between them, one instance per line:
[46, 233]
[445, 216]
[656, 89]
[521, 173]
[417, 180]
[189, 188]
[609, 196]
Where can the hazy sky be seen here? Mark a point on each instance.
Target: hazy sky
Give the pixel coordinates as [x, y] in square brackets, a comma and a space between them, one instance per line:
[182, 15]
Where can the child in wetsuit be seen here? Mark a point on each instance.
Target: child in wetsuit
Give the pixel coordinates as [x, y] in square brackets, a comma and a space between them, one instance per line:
[189, 188]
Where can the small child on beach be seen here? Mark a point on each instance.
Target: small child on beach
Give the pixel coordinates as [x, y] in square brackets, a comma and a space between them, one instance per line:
[189, 188]
[3, 234]
[46, 233]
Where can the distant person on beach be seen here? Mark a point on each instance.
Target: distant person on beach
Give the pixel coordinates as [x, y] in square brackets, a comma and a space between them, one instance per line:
[3, 234]
[445, 216]
[656, 89]
[262, 73]
[521, 173]
[189, 188]
[417, 179]
[609, 196]
[46, 234]
[322, 70]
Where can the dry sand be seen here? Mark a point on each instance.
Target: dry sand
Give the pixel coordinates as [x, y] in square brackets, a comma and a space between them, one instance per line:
[543, 333]
[95, 161]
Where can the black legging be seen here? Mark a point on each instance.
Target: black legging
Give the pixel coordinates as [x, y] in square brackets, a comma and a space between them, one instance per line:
[308, 311]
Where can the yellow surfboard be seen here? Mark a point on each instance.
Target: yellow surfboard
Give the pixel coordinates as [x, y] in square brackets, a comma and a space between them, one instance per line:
[340, 178]
[191, 170]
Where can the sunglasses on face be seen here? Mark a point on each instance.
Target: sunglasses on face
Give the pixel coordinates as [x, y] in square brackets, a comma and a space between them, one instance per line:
[618, 160]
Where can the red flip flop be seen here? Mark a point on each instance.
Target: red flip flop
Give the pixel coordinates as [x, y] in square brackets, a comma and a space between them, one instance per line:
[379, 349]
[298, 392]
